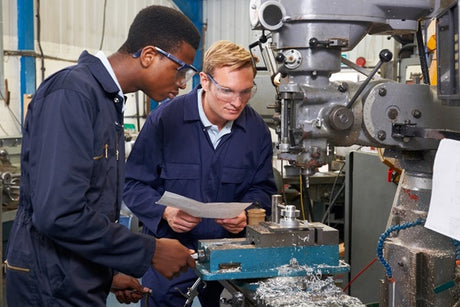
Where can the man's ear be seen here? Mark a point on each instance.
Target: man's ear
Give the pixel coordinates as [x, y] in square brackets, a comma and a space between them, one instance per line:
[148, 56]
[204, 81]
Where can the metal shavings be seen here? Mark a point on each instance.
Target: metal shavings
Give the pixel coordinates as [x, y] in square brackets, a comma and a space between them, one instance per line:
[304, 239]
[229, 270]
[306, 291]
[293, 266]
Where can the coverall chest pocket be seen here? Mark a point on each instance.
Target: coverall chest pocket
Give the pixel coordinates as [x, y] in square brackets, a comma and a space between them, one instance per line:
[181, 176]
[232, 182]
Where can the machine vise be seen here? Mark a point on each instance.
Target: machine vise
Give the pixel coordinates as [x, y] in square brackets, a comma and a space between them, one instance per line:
[271, 250]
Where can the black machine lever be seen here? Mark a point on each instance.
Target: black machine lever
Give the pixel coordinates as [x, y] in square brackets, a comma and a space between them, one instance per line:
[385, 56]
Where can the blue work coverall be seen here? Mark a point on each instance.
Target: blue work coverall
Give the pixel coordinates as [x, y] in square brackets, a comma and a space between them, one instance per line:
[173, 152]
[64, 242]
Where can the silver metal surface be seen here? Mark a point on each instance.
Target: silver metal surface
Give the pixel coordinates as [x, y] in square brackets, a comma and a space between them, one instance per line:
[310, 291]
[421, 259]
[272, 235]
[289, 215]
[276, 202]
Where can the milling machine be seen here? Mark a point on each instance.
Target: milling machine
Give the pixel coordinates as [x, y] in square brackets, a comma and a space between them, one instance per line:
[301, 44]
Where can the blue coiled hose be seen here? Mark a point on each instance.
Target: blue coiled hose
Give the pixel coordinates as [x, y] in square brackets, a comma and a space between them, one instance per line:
[457, 245]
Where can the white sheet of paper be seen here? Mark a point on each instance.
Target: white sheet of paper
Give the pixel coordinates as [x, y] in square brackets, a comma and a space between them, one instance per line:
[199, 209]
[444, 212]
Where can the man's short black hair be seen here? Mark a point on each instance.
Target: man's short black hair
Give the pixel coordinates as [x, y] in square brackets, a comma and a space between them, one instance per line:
[162, 27]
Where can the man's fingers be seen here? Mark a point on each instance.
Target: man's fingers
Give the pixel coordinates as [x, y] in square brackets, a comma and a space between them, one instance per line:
[191, 262]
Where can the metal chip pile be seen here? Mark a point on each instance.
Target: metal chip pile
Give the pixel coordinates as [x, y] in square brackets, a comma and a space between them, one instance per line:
[306, 291]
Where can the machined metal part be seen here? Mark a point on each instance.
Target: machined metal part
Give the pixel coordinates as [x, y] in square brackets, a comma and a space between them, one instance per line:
[289, 215]
[276, 202]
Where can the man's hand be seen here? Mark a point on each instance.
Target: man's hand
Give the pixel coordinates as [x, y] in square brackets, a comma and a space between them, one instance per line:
[180, 221]
[234, 225]
[171, 258]
[127, 289]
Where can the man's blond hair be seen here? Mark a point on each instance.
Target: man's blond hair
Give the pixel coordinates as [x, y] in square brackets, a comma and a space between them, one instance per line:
[224, 53]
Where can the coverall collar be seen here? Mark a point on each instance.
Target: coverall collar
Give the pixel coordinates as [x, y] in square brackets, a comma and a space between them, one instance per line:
[99, 72]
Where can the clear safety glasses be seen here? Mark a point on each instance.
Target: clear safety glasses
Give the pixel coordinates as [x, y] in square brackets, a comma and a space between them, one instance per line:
[184, 73]
[228, 94]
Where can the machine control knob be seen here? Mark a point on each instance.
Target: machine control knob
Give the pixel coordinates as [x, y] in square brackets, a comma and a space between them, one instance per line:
[343, 87]
[280, 58]
[313, 42]
[385, 55]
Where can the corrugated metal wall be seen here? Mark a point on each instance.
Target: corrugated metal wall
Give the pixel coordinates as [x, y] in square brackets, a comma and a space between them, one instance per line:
[67, 28]
[227, 20]
[79, 23]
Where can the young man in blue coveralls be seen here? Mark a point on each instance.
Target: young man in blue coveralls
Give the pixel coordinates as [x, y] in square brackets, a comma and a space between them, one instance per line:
[208, 145]
[65, 247]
